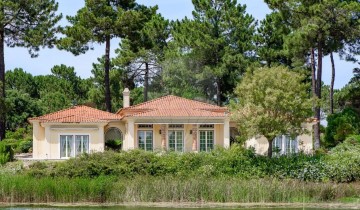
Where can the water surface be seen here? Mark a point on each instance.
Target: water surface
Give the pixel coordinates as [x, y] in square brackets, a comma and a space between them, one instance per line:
[150, 208]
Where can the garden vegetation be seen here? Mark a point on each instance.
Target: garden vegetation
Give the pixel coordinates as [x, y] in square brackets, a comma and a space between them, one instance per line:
[233, 175]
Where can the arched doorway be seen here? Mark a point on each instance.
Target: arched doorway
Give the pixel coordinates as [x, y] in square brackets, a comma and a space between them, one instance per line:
[113, 139]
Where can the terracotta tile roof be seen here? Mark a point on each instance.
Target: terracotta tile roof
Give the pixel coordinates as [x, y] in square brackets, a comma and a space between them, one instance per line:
[78, 114]
[173, 106]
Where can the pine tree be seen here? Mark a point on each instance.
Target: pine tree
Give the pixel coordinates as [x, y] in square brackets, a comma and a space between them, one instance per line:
[220, 37]
[24, 23]
[142, 57]
[99, 22]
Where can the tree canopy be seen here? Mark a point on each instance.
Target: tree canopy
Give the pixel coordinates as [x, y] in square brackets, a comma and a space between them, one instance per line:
[271, 102]
[25, 23]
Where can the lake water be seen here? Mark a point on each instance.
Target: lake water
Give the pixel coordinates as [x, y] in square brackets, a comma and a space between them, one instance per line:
[147, 208]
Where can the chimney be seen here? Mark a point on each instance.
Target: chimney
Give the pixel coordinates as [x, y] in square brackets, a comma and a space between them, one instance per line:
[126, 98]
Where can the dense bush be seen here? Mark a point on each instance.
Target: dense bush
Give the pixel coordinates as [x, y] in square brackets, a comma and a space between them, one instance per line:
[342, 164]
[343, 161]
[6, 153]
[20, 140]
[341, 125]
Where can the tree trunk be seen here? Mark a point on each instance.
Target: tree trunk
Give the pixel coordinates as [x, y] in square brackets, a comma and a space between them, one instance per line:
[270, 149]
[146, 82]
[318, 94]
[313, 75]
[332, 83]
[2, 88]
[218, 92]
[107, 77]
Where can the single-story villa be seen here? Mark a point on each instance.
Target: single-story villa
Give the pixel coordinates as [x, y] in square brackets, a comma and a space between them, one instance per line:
[166, 123]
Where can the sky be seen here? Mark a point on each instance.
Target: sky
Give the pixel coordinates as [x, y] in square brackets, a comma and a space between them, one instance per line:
[170, 9]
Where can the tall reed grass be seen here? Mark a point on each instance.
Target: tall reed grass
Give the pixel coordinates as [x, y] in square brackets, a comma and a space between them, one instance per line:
[106, 189]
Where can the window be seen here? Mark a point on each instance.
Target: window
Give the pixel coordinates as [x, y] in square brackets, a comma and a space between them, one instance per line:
[206, 140]
[113, 134]
[284, 145]
[145, 140]
[176, 140]
[176, 126]
[291, 145]
[145, 126]
[73, 145]
[207, 126]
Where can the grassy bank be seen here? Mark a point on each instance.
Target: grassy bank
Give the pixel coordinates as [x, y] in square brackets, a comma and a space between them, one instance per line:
[106, 189]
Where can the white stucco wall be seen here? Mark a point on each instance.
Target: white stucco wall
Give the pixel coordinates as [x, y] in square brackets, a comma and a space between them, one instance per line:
[46, 138]
[305, 142]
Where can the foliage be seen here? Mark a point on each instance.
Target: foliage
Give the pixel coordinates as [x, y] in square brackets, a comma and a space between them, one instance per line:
[344, 160]
[6, 153]
[141, 57]
[341, 125]
[219, 38]
[29, 24]
[20, 107]
[271, 102]
[236, 162]
[99, 21]
[117, 190]
[113, 144]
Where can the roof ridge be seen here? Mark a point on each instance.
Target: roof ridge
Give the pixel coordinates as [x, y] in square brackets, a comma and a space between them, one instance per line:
[143, 103]
[167, 96]
[204, 103]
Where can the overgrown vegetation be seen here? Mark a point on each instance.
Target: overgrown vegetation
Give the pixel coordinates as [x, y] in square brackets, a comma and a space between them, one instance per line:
[233, 175]
[169, 189]
[341, 165]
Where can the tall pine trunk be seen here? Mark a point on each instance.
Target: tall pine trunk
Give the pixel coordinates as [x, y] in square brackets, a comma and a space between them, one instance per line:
[332, 83]
[318, 94]
[2, 88]
[146, 81]
[218, 91]
[313, 75]
[107, 77]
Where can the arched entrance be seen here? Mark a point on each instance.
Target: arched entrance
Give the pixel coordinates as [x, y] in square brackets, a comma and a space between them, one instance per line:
[113, 139]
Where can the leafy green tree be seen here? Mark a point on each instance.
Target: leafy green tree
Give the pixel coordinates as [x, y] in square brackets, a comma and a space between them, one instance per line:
[75, 89]
[142, 57]
[349, 95]
[54, 101]
[318, 28]
[220, 36]
[20, 80]
[270, 40]
[271, 102]
[341, 125]
[97, 90]
[99, 22]
[20, 106]
[25, 23]
[179, 74]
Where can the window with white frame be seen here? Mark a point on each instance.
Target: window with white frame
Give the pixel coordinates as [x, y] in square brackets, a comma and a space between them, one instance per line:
[176, 141]
[145, 140]
[73, 145]
[284, 144]
[206, 140]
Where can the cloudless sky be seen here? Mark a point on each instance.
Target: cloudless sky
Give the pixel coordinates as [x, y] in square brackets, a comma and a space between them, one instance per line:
[170, 9]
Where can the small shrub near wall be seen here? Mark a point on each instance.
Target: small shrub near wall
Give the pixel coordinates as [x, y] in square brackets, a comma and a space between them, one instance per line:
[6, 153]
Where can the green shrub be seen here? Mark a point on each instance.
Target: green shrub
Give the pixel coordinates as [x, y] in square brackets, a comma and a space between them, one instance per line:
[24, 146]
[6, 153]
[342, 164]
[341, 125]
[343, 161]
[113, 144]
